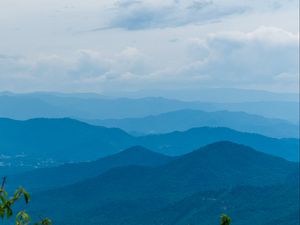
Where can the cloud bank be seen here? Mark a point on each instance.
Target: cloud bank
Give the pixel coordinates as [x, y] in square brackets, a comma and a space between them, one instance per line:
[266, 58]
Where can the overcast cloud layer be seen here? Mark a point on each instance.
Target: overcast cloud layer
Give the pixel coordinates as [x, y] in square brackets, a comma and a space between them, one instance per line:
[130, 45]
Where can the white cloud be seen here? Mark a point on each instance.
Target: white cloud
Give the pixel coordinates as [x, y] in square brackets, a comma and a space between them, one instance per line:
[263, 58]
[266, 58]
[86, 68]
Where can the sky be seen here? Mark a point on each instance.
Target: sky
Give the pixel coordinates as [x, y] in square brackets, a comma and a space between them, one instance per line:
[129, 45]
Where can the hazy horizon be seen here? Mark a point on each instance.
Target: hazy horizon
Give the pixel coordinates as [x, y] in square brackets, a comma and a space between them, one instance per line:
[144, 112]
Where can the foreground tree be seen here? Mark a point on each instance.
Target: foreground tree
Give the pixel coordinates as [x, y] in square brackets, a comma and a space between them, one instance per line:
[225, 220]
[6, 212]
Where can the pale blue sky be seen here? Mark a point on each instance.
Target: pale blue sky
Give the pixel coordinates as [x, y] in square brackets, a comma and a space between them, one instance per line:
[99, 46]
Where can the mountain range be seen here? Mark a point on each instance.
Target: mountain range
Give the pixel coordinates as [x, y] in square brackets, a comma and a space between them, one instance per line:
[219, 178]
[93, 106]
[220, 95]
[186, 119]
[74, 172]
[49, 142]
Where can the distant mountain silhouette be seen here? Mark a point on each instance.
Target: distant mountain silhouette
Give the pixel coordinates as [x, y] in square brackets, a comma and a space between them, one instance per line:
[61, 139]
[185, 119]
[220, 95]
[123, 195]
[176, 143]
[72, 173]
[92, 106]
[52, 105]
[49, 142]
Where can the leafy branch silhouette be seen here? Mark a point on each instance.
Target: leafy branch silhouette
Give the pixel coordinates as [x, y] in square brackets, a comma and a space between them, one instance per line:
[6, 212]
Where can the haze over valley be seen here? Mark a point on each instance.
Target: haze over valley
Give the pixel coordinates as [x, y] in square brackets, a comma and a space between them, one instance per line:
[149, 112]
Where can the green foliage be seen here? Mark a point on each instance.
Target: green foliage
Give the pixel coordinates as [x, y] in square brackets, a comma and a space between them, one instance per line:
[6, 202]
[6, 212]
[225, 220]
[23, 218]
